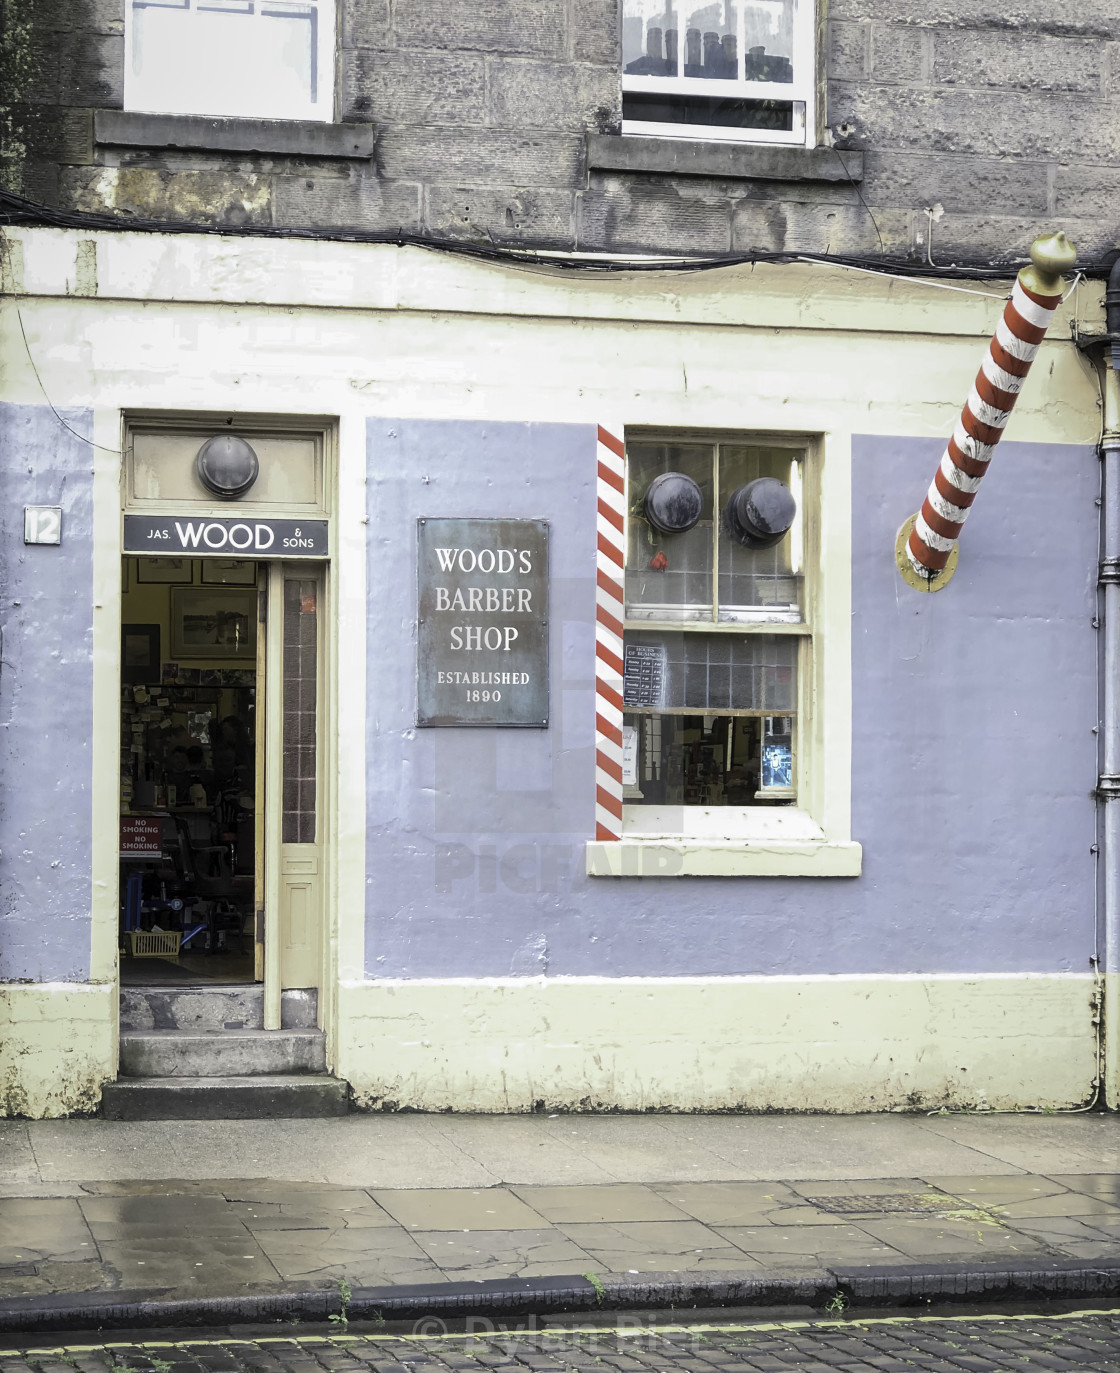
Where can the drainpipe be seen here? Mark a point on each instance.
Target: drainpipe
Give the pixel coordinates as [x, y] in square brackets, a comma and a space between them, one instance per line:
[926, 547]
[1108, 785]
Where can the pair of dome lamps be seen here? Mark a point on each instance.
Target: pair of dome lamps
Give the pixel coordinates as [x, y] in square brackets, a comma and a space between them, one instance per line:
[758, 515]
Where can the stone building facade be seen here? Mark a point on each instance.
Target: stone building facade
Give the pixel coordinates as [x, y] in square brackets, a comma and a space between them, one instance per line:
[497, 122]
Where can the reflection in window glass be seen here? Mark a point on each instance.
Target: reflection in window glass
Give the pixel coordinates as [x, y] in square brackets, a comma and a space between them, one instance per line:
[724, 40]
[268, 59]
[650, 31]
[711, 41]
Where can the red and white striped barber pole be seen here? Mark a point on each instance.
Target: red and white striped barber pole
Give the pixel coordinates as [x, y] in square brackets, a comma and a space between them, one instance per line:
[609, 601]
[927, 541]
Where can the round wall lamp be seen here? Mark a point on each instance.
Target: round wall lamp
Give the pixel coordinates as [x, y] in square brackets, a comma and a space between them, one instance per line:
[673, 503]
[759, 514]
[227, 466]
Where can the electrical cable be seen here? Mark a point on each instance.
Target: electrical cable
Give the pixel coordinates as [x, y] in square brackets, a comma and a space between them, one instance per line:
[16, 210]
[68, 427]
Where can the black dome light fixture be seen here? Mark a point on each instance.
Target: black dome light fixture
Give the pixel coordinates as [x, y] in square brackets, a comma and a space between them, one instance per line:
[761, 513]
[227, 466]
[673, 503]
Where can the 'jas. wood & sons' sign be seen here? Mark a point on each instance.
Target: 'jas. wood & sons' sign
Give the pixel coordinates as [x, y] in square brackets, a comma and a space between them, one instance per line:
[175, 536]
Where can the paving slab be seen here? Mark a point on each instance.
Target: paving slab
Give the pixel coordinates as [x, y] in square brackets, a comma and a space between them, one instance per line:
[1078, 1143]
[19, 1163]
[365, 1257]
[477, 1255]
[32, 1229]
[616, 1202]
[459, 1209]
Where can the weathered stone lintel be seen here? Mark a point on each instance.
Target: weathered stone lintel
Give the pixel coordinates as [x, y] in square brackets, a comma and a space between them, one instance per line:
[296, 137]
[689, 157]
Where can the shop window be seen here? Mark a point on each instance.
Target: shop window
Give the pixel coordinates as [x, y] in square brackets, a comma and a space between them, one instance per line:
[724, 741]
[734, 70]
[710, 691]
[260, 59]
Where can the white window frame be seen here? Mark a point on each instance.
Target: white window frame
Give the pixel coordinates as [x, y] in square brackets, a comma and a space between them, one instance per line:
[802, 91]
[138, 91]
[811, 838]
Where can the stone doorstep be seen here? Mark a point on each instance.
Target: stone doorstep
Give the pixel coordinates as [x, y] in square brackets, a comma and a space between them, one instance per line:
[221, 1053]
[213, 1007]
[278, 1096]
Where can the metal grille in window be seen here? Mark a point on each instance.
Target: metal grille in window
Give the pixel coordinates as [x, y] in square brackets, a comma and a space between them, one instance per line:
[709, 673]
[300, 702]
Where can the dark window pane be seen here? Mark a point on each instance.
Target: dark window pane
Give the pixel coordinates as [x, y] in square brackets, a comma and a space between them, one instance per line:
[723, 112]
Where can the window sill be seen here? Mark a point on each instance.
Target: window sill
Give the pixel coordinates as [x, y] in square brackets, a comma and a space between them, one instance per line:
[726, 858]
[694, 157]
[288, 137]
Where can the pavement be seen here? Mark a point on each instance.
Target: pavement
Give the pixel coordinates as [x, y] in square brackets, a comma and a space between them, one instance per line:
[120, 1223]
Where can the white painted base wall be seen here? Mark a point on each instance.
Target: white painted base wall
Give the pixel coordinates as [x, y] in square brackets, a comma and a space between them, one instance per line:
[58, 1044]
[838, 1044]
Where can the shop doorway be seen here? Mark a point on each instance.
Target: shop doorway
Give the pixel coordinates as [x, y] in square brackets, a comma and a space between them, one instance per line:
[190, 783]
[220, 768]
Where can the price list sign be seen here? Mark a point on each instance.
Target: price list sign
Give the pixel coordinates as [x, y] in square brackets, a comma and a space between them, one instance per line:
[643, 675]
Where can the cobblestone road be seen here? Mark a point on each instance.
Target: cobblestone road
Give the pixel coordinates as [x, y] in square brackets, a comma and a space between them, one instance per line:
[1003, 1344]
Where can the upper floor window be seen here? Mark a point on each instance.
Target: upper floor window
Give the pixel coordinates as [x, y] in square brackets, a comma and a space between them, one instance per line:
[252, 59]
[735, 70]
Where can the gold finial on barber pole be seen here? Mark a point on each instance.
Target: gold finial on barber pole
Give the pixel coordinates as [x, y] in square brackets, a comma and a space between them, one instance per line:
[1052, 256]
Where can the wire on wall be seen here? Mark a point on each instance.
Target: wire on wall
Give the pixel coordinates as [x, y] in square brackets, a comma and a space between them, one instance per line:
[16, 210]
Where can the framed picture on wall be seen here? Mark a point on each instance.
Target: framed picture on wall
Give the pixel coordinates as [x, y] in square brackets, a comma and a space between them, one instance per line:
[164, 570]
[213, 622]
[228, 572]
[140, 661]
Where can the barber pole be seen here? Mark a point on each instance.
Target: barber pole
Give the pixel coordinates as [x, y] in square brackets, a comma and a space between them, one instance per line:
[928, 540]
[609, 601]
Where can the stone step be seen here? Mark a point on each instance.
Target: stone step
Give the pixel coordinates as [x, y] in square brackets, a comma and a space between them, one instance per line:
[221, 1053]
[226, 1006]
[225, 1098]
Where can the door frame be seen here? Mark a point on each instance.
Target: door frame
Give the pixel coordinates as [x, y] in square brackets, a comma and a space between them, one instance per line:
[110, 506]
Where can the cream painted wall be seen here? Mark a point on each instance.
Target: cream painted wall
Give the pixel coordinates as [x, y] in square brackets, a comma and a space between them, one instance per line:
[840, 1044]
[58, 1044]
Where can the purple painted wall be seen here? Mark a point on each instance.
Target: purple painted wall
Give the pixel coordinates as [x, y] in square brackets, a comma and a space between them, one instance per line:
[46, 700]
[973, 753]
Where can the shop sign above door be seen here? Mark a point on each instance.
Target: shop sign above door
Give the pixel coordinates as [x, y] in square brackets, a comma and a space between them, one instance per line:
[482, 643]
[173, 535]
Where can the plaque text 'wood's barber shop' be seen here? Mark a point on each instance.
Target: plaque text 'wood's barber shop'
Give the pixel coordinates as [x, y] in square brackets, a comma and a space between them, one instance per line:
[482, 655]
